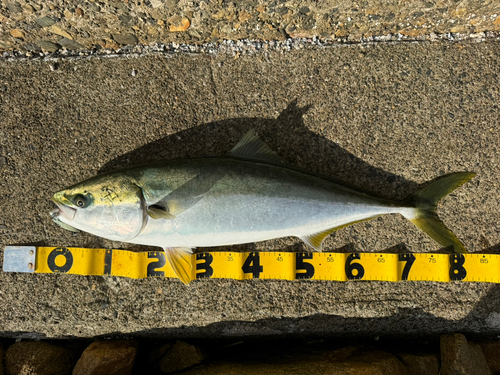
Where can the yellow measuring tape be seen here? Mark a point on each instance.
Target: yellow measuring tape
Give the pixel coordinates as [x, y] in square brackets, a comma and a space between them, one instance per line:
[258, 265]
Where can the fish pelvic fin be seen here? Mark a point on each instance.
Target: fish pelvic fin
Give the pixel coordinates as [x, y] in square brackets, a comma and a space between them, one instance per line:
[180, 260]
[425, 202]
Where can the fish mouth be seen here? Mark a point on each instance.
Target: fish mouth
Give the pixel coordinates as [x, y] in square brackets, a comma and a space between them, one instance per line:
[62, 209]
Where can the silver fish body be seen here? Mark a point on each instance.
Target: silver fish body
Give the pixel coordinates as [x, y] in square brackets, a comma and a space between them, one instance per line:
[249, 202]
[248, 196]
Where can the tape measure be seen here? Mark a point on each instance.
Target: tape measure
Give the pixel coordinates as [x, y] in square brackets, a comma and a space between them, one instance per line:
[257, 265]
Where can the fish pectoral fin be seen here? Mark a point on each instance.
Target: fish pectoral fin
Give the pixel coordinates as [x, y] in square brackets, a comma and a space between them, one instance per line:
[158, 212]
[180, 260]
[252, 147]
[185, 196]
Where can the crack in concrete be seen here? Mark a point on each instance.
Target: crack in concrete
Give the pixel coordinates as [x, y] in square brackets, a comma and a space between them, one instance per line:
[242, 47]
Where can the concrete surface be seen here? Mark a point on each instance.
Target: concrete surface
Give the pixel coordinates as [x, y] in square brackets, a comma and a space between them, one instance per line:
[49, 25]
[385, 117]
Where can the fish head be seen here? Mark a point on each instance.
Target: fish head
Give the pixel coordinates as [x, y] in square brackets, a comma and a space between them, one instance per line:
[110, 206]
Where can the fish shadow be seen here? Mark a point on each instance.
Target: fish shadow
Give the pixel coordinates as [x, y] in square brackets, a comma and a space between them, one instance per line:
[294, 142]
[288, 136]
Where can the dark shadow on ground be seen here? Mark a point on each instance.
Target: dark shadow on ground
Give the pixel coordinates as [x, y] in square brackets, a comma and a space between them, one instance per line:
[288, 136]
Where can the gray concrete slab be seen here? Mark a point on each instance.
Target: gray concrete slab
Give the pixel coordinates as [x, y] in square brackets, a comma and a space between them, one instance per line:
[383, 117]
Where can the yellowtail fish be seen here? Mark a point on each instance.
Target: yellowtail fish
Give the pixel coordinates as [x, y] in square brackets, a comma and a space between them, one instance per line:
[246, 196]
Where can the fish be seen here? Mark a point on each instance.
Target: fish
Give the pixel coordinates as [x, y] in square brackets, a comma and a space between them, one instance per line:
[247, 196]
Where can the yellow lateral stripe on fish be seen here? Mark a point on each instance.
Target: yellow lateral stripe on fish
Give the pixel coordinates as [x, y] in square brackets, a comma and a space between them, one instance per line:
[274, 265]
[245, 197]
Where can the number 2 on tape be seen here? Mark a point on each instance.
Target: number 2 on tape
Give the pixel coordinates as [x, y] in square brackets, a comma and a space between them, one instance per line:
[153, 266]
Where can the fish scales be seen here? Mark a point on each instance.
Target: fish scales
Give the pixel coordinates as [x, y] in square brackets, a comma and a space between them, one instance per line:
[251, 202]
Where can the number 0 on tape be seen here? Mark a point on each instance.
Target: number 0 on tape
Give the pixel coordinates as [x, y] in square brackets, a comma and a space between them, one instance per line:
[257, 265]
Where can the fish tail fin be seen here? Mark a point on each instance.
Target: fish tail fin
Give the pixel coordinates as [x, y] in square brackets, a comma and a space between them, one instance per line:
[180, 260]
[425, 202]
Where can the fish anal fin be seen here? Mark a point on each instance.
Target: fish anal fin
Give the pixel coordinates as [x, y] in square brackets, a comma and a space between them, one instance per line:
[252, 147]
[180, 260]
[315, 240]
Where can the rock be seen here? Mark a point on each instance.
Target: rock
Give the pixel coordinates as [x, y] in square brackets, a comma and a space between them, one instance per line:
[32, 47]
[304, 10]
[346, 361]
[5, 45]
[172, 3]
[38, 357]
[107, 358]
[420, 364]
[70, 44]
[491, 352]
[14, 7]
[58, 31]
[125, 38]
[127, 19]
[16, 33]
[45, 21]
[1, 357]
[363, 362]
[461, 358]
[28, 8]
[45, 45]
[178, 23]
[180, 357]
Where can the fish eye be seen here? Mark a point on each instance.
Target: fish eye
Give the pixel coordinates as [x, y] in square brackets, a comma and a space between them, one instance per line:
[80, 201]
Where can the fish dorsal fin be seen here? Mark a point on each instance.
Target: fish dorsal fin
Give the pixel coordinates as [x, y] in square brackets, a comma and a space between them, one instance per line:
[180, 260]
[183, 198]
[315, 240]
[252, 147]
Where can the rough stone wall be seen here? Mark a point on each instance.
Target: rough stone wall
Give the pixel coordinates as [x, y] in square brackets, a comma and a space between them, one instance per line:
[34, 26]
